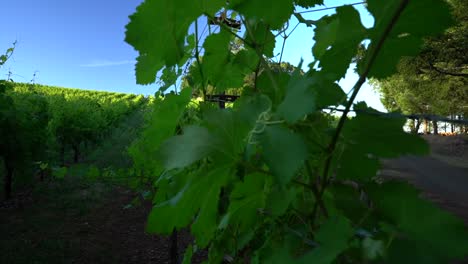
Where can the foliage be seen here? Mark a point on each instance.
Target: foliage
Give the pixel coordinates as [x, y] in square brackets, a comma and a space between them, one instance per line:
[39, 123]
[434, 81]
[271, 180]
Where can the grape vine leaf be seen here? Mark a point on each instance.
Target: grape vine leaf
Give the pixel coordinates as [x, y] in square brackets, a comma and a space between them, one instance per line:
[381, 135]
[372, 135]
[199, 195]
[230, 128]
[300, 98]
[308, 3]
[188, 255]
[266, 86]
[422, 226]
[157, 31]
[284, 152]
[407, 34]
[146, 69]
[245, 201]
[337, 39]
[356, 164]
[278, 200]
[260, 35]
[182, 150]
[205, 223]
[162, 124]
[372, 248]
[327, 91]
[275, 14]
[217, 62]
[333, 238]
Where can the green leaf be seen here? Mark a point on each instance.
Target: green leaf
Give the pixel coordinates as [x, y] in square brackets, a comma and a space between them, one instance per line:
[279, 200]
[246, 200]
[373, 133]
[198, 197]
[205, 224]
[338, 38]
[188, 255]
[161, 126]
[284, 152]
[169, 77]
[426, 233]
[333, 237]
[299, 100]
[265, 84]
[259, 34]
[407, 35]
[157, 31]
[373, 249]
[247, 59]
[356, 164]
[308, 3]
[217, 62]
[327, 92]
[250, 107]
[146, 69]
[277, 13]
[183, 150]
[348, 201]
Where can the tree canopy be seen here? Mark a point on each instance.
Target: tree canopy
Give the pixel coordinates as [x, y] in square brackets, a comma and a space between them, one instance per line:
[435, 81]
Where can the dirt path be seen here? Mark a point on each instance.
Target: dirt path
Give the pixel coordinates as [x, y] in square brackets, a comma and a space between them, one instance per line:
[443, 183]
[72, 222]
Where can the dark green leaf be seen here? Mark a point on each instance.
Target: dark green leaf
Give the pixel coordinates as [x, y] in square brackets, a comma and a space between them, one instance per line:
[299, 100]
[338, 38]
[423, 227]
[246, 202]
[277, 13]
[188, 255]
[308, 3]
[157, 31]
[284, 152]
[181, 151]
[407, 35]
[259, 35]
[372, 133]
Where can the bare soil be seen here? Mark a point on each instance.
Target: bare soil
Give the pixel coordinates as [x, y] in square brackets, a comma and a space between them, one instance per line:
[91, 223]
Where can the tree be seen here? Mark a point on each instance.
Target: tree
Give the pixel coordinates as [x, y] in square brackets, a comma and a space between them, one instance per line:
[435, 81]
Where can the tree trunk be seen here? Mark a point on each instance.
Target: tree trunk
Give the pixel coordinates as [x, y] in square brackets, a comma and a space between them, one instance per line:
[436, 128]
[426, 127]
[452, 127]
[418, 125]
[8, 179]
[412, 126]
[174, 250]
[221, 103]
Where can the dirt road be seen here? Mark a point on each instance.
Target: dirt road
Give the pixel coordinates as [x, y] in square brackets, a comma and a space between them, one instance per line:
[445, 184]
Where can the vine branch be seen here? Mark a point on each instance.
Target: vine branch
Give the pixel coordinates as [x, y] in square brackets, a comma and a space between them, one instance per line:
[357, 87]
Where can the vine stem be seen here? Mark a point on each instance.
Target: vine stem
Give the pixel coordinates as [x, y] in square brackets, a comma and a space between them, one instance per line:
[357, 87]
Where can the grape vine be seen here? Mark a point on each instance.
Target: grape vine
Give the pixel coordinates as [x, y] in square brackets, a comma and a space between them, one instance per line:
[271, 179]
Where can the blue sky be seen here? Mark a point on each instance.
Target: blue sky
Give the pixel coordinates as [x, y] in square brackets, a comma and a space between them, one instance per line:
[80, 44]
